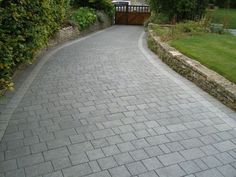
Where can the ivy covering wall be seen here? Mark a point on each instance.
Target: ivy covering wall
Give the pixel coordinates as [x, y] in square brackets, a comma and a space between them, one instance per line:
[25, 27]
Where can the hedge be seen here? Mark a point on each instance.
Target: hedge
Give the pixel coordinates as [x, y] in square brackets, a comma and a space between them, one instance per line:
[25, 27]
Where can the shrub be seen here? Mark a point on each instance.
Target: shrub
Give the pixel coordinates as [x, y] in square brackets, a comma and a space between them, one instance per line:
[105, 5]
[181, 30]
[84, 17]
[25, 26]
[179, 10]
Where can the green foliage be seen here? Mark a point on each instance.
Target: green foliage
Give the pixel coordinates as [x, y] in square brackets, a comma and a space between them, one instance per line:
[224, 3]
[181, 30]
[84, 17]
[227, 17]
[105, 5]
[25, 26]
[179, 10]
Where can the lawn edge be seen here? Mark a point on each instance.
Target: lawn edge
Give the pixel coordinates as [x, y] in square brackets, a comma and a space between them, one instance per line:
[205, 78]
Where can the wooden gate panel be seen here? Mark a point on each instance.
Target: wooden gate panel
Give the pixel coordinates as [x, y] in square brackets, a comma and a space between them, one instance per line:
[121, 18]
[131, 14]
[137, 18]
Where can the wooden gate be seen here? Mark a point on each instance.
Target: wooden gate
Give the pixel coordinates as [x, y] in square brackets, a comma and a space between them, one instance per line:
[131, 14]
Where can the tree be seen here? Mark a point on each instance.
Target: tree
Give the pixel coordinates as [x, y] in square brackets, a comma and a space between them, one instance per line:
[179, 10]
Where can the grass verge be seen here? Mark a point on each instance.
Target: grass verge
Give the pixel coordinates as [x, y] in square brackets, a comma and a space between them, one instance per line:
[215, 51]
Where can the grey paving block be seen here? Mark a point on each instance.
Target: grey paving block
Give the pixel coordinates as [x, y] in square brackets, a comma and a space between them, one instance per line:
[209, 173]
[36, 148]
[114, 140]
[56, 153]
[190, 167]
[211, 161]
[149, 174]
[39, 169]
[61, 163]
[103, 133]
[172, 158]
[110, 150]
[124, 147]
[107, 162]
[176, 127]
[153, 151]
[152, 163]
[78, 170]
[77, 138]
[8, 165]
[136, 168]
[170, 171]
[95, 154]
[120, 171]
[30, 160]
[58, 143]
[16, 173]
[191, 143]
[94, 166]
[225, 158]
[156, 140]
[100, 174]
[227, 170]
[80, 147]
[140, 143]
[123, 158]
[194, 153]
[209, 150]
[175, 146]
[54, 174]
[98, 143]
[19, 152]
[128, 136]
[78, 158]
[225, 146]
[138, 154]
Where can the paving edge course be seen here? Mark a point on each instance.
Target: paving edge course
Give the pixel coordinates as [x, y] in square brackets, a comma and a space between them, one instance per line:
[208, 80]
[26, 74]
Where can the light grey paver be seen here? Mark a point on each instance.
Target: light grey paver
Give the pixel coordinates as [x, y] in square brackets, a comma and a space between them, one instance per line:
[172, 158]
[136, 168]
[120, 171]
[170, 171]
[106, 106]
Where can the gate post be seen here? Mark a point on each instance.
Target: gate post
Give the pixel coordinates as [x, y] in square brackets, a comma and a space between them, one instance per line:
[127, 14]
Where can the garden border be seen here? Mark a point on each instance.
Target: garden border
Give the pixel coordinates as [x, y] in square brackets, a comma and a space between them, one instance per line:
[208, 80]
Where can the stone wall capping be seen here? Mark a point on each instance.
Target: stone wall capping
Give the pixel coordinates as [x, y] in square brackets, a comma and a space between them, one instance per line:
[205, 78]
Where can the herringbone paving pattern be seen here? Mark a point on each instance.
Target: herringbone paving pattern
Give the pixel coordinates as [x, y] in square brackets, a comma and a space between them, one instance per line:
[100, 108]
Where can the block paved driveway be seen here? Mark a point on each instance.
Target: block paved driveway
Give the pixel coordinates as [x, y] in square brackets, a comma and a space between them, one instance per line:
[105, 106]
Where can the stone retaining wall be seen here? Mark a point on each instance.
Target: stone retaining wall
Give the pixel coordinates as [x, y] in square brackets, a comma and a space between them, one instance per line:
[72, 32]
[208, 80]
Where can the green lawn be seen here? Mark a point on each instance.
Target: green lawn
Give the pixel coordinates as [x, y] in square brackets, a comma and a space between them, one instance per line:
[223, 16]
[217, 52]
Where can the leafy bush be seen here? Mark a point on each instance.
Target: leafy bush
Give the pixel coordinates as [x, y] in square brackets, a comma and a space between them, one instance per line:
[225, 3]
[25, 26]
[84, 17]
[179, 10]
[105, 5]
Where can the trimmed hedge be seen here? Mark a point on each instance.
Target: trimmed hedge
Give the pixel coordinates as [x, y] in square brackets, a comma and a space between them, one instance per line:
[25, 27]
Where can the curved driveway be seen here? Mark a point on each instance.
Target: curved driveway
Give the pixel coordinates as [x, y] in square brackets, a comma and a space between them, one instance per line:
[106, 106]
